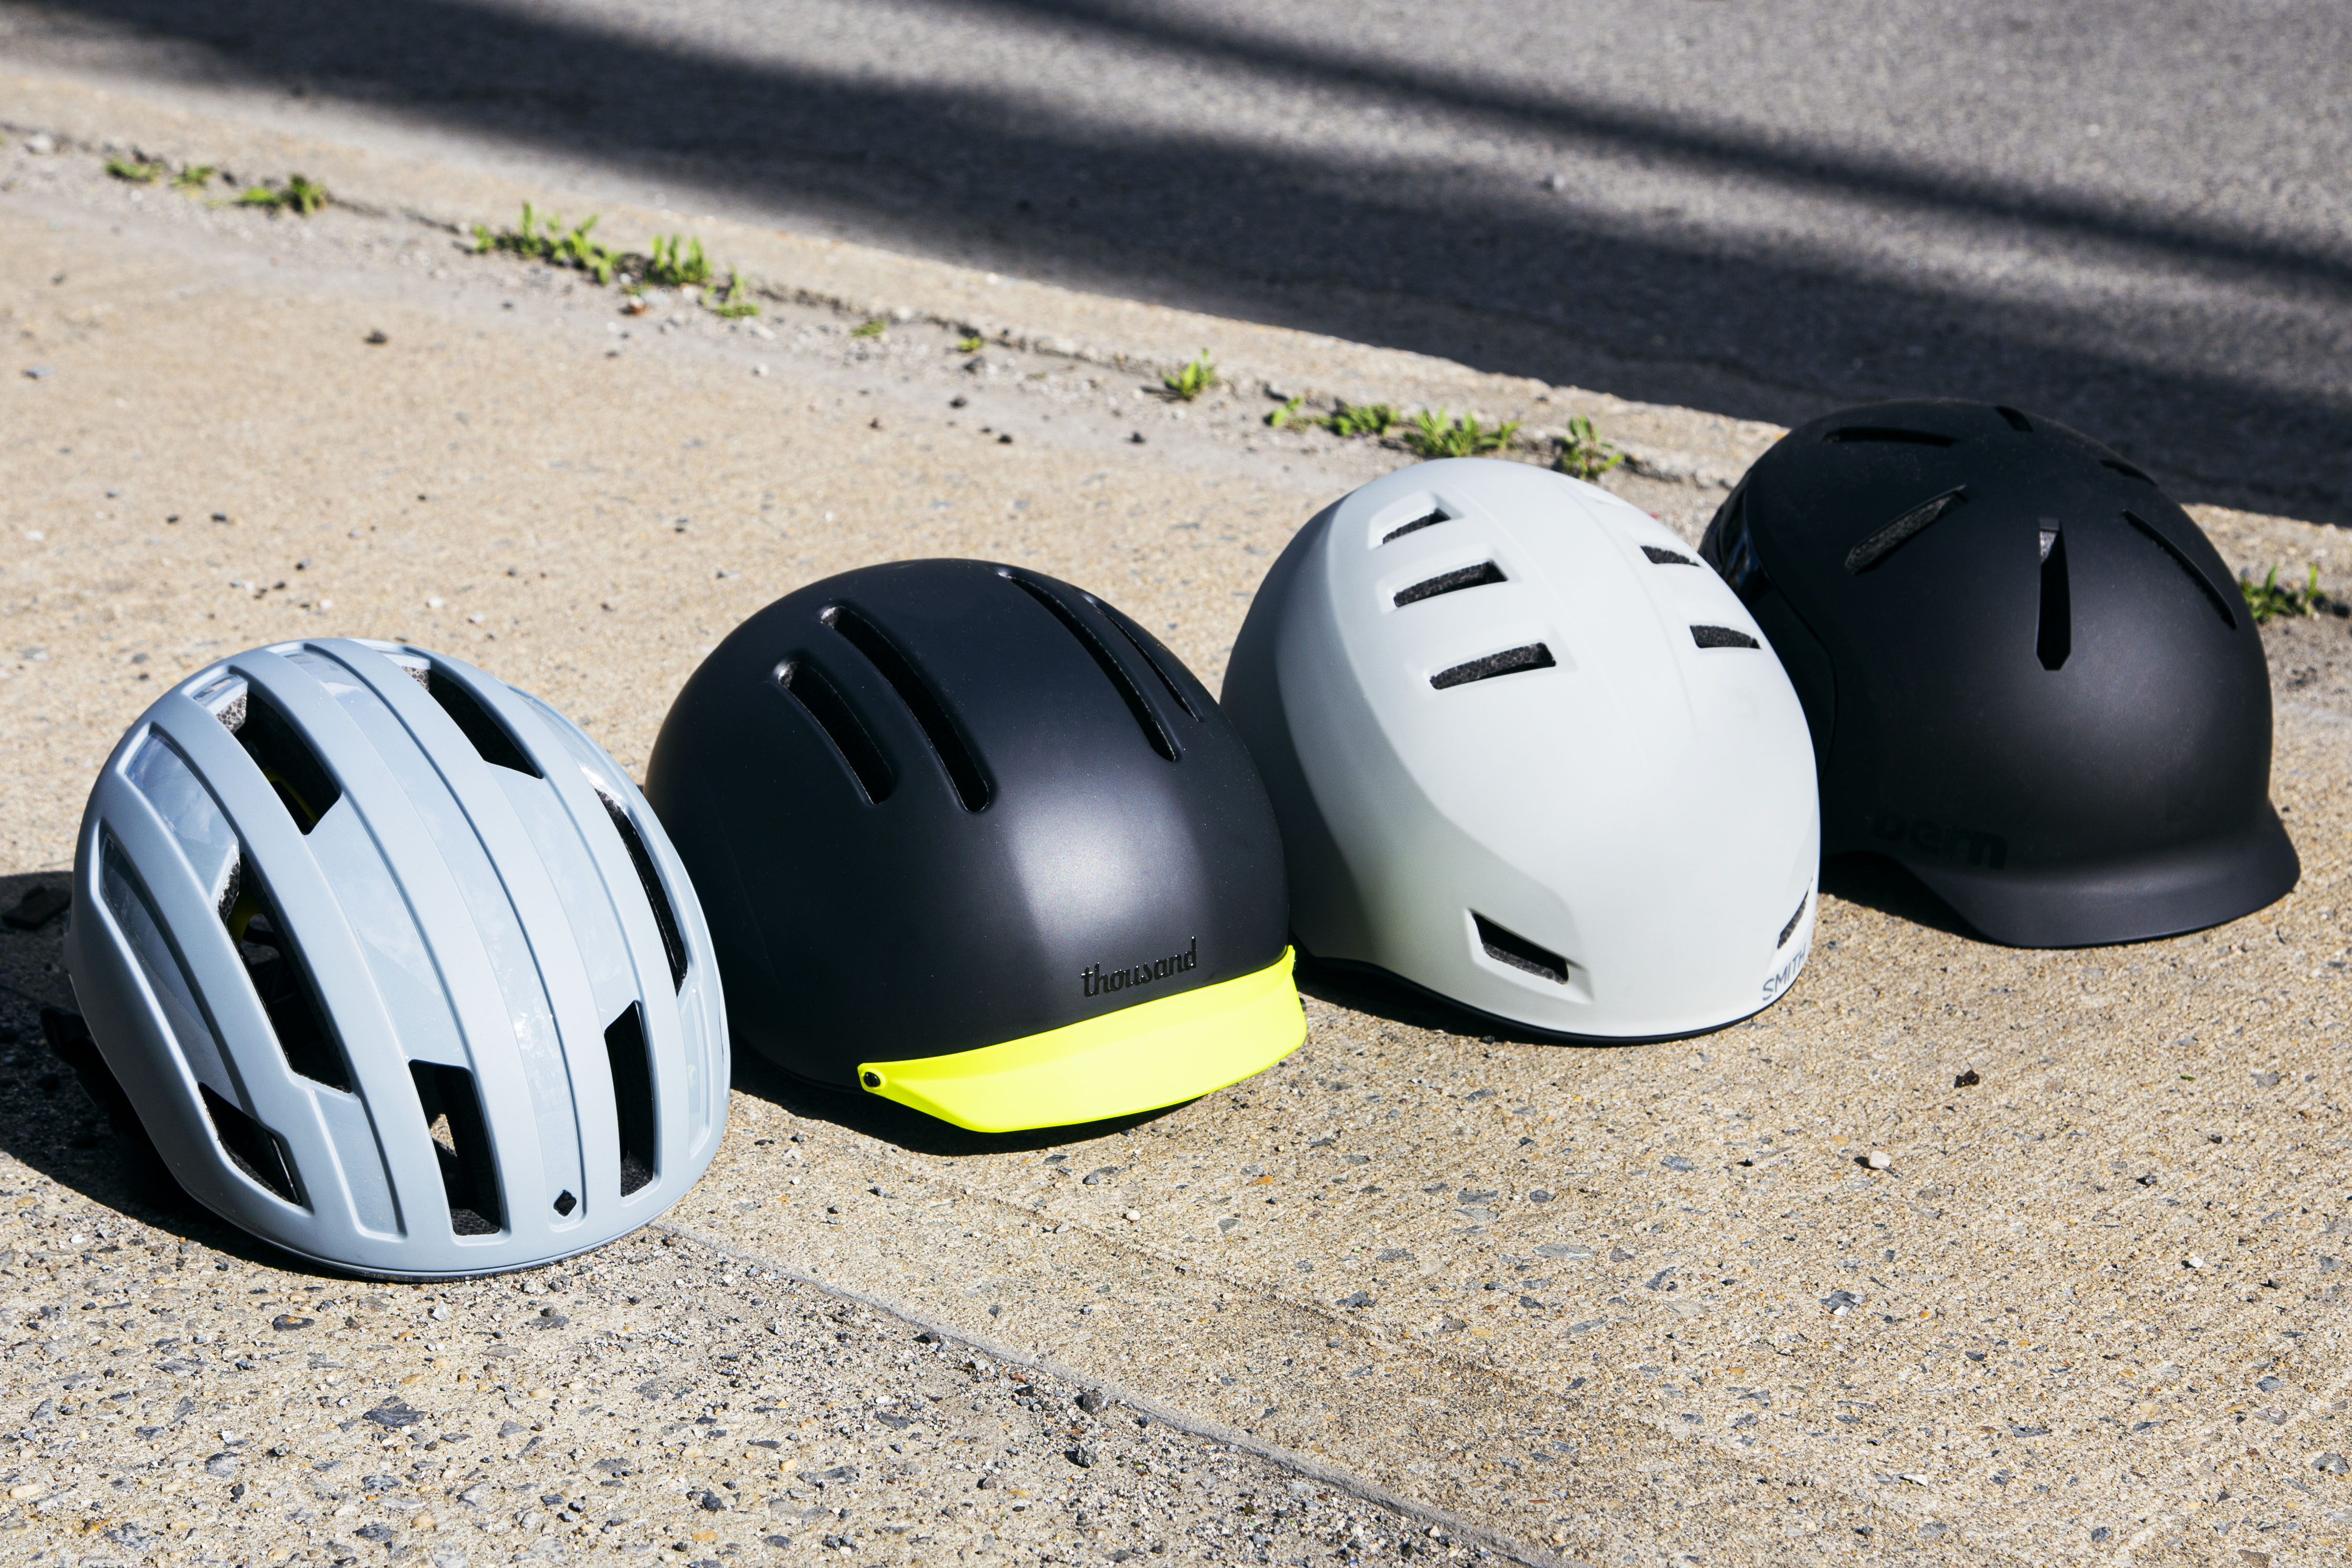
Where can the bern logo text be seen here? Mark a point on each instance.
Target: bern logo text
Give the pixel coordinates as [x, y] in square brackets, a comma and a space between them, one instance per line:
[1100, 981]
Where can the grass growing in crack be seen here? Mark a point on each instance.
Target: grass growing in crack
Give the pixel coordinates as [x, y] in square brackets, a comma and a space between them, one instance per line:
[544, 238]
[676, 261]
[1373, 419]
[971, 345]
[1189, 381]
[1433, 434]
[731, 304]
[299, 195]
[1283, 415]
[2267, 599]
[1583, 455]
[193, 177]
[872, 327]
[137, 170]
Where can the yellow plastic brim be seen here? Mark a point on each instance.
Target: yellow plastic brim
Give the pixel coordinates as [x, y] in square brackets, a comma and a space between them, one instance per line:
[1138, 1059]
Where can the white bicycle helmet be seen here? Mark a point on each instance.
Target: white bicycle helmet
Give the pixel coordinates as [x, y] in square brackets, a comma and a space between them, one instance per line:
[394, 964]
[1529, 754]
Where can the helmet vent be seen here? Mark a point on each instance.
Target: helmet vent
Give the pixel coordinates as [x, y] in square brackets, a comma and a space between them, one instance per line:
[1427, 519]
[824, 705]
[931, 715]
[1666, 557]
[2219, 600]
[282, 985]
[1509, 947]
[664, 917]
[1113, 671]
[1862, 435]
[1476, 576]
[488, 736]
[1722, 637]
[2053, 637]
[633, 1097]
[1799, 913]
[461, 1144]
[1154, 655]
[2126, 470]
[1510, 661]
[1874, 551]
[2016, 421]
[304, 786]
[254, 1149]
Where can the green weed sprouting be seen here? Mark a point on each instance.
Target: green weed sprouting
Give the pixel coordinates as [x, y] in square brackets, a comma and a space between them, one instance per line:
[1433, 435]
[1189, 381]
[546, 240]
[193, 177]
[676, 261]
[729, 303]
[299, 195]
[139, 172]
[1278, 417]
[972, 344]
[872, 327]
[1373, 419]
[2266, 599]
[1583, 455]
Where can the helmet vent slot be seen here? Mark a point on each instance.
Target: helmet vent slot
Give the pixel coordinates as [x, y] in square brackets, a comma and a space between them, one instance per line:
[254, 1149]
[1659, 557]
[304, 786]
[2126, 470]
[2053, 636]
[1427, 519]
[1508, 947]
[1113, 671]
[461, 1143]
[1154, 655]
[1722, 637]
[824, 705]
[1874, 549]
[1476, 576]
[2218, 600]
[664, 917]
[488, 736]
[1863, 434]
[1510, 661]
[2016, 421]
[633, 1097]
[1797, 914]
[929, 714]
[282, 983]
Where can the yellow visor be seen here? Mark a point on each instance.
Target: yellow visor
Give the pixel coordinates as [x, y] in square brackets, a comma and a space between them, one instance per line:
[1138, 1059]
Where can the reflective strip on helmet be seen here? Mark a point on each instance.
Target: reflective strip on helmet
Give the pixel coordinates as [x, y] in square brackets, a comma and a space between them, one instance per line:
[1138, 1059]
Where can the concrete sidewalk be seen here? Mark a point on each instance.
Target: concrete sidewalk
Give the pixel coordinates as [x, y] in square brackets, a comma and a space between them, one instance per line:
[1629, 1305]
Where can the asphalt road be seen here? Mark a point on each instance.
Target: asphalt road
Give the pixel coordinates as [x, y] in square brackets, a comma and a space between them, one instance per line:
[2133, 215]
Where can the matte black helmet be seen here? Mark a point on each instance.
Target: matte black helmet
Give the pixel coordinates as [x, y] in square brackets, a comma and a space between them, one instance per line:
[976, 842]
[2029, 678]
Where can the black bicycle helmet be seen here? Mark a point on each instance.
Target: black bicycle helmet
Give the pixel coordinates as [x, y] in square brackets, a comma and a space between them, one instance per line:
[2031, 680]
[976, 842]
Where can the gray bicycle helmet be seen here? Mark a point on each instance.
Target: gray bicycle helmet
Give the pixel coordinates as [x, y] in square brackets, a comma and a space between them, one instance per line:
[395, 965]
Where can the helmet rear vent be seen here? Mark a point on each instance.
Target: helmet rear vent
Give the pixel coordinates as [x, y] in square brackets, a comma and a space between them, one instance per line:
[2221, 602]
[1874, 549]
[1510, 661]
[254, 1149]
[488, 736]
[1795, 915]
[809, 688]
[1427, 519]
[633, 1097]
[1113, 671]
[2126, 470]
[304, 786]
[461, 1144]
[1722, 637]
[929, 714]
[282, 983]
[1659, 557]
[2053, 636]
[2016, 421]
[1862, 435]
[664, 917]
[1509, 947]
[1476, 576]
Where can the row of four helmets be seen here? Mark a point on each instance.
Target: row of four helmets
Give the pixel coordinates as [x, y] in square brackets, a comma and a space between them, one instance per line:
[394, 968]
[1529, 753]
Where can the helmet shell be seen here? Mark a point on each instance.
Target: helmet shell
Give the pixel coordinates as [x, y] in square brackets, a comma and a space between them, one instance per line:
[934, 805]
[2030, 678]
[1529, 754]
[394, 964]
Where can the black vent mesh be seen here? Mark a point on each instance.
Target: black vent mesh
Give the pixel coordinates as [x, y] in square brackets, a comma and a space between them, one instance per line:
[1666, 557]
[1721, 637]
[1865, 434]
[254, 1149]
[1510, 661]
[1875, 549]
[1427, 519]
[1477, 576]
[1794, 916]
[1509, 947]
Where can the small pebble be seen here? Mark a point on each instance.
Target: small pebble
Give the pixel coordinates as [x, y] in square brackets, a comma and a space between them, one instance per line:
[1879, 1160]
